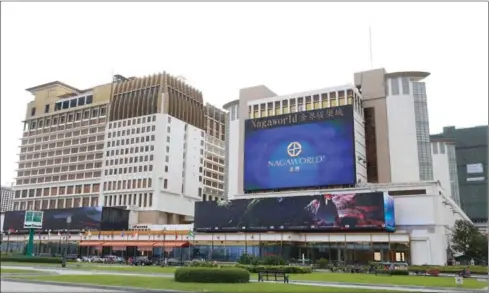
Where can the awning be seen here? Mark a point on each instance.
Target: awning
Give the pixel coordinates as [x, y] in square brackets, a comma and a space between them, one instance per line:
[91, 243]
[172, 244]
[129, 243]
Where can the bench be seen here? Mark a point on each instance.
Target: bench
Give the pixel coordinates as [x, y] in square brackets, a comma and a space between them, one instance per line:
[273, 276]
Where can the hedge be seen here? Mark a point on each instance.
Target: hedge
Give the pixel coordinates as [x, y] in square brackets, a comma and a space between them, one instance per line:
[482, 270]
[31, 259]
[211, 275]
[285, 269]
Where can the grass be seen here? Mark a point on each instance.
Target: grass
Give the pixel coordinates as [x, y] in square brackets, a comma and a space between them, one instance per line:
[425, 281]
[170, 284]
[19, 271]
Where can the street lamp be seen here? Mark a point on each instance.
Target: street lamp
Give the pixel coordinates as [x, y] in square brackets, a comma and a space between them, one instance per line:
[63, 261]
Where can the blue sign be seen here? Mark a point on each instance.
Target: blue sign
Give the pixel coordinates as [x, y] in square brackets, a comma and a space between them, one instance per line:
[308, 149]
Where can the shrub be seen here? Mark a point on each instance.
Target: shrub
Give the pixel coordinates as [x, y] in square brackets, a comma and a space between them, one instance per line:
[392, 273]
[203, 264]
[285, 269]
[212, 275]
[31, 259]
[272, 260]
[482, 270]
[323, 263]
[248, 259]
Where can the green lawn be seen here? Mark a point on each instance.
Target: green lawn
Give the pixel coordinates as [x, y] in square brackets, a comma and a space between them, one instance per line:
[170, 284]
[19, 271]
[318, 277]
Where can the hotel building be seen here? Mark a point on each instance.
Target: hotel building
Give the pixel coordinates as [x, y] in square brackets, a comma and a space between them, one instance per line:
[61, 152]
[138, 143]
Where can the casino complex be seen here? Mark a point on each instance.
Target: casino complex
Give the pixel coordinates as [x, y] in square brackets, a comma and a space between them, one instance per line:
[343, 173]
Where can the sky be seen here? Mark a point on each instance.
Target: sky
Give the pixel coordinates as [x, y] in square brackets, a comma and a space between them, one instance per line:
[222, 47]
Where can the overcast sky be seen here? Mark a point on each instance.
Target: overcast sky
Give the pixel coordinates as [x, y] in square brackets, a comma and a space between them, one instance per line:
[220, 48]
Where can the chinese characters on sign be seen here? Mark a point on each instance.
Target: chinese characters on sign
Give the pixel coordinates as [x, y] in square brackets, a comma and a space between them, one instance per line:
[296, 118]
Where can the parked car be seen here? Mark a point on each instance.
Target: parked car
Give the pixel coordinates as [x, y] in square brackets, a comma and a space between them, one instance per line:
[141, 261]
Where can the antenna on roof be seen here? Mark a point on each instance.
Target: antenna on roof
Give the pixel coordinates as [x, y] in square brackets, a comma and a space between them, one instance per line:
[370, 46]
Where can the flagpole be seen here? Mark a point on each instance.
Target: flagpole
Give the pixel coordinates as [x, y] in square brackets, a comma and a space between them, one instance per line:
[212, 246]
[8, 240]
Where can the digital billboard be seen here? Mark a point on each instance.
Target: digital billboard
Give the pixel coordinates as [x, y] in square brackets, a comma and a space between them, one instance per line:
[324, 212]
[306, 149]
[84, 218]
[390, 215]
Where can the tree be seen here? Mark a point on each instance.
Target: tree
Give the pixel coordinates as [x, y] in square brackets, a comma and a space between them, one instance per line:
[468, 240]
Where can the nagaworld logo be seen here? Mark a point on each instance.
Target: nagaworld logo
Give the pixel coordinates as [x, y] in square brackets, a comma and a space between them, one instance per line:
[294, 160]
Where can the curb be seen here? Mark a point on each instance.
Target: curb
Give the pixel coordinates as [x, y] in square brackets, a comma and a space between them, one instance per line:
[91, 286]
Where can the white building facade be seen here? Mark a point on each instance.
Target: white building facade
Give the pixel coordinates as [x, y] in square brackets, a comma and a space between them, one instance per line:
[445, 167]
[251, 106]
[153, 162]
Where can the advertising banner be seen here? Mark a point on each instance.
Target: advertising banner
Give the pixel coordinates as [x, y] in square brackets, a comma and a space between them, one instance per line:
[306, 149]
[324, 212]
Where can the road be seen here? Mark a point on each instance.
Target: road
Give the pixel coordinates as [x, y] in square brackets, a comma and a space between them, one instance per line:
[20, 287]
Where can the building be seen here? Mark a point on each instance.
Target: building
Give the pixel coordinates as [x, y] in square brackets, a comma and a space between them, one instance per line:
[471, 161]
[214, 153]
[445, 166]
[135, 142]
[153, 156]
[61, 152]
[260, 102]
[423, 217]
[396, 125]
[7, 199]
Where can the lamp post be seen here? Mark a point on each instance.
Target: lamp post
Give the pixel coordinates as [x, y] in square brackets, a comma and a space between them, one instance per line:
[63, 261]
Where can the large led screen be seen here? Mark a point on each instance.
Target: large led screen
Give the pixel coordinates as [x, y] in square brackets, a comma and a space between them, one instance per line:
[84, 218]
[390, 216]
[325, 212]
[307, 149]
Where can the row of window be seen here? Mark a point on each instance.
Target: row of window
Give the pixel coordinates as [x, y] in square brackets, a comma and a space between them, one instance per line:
[126, 151]
[62, 144]
[59, 178]
[131, 131]
[213, 184]
[54, 121]
[60, 161]
[65, 152]
[325, 100]
[62, 169]
[77, 134]
[57, 191]
[143, 200]
[134, 121]
[213, 175]
[72, 103]
[118, 152]
[59, 203]
[129, 170]
[128, 184]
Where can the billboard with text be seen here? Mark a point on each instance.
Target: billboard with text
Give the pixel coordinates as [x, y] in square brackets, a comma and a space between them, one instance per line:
[314, 148]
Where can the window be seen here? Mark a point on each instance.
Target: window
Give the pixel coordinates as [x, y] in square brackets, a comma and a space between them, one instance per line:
[165, 183]
[166, 168]
[442, 147]
[33, 111]
[46, 109]
[394, 86]
[81, 101]
[435, 148]
[73, 103]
